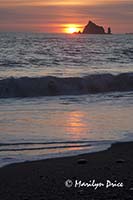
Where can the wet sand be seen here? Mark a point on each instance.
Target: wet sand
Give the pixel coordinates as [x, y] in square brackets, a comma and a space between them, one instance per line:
[106, 175]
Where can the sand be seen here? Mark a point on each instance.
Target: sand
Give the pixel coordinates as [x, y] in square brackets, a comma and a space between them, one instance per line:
[106, 175]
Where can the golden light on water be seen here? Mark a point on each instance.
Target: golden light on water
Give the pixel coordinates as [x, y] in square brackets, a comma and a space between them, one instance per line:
[76, 124]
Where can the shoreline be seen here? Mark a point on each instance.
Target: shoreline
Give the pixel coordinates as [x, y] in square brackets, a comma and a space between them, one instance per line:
[68, 154]
[48, 179]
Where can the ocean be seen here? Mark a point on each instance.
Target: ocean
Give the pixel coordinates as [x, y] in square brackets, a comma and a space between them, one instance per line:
[63, 94]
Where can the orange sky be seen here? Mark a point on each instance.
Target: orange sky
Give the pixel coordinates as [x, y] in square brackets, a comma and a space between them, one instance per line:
[56, 15]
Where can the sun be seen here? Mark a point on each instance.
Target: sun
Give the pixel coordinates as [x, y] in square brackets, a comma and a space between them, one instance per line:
[71, 28]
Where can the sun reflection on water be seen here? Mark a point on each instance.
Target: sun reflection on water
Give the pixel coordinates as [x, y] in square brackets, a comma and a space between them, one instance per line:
[76, 124]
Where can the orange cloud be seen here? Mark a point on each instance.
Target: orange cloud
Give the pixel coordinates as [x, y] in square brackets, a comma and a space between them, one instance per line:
[54, 15]
[13, 3]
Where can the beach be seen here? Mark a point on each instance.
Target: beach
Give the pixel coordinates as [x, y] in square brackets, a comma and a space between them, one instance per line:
[66, 100]
[103, 175]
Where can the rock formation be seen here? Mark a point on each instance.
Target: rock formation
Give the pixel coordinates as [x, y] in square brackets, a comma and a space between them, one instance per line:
[79, 32]
[92, 28]
[109, 31]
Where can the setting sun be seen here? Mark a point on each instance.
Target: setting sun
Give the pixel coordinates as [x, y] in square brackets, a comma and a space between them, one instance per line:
[71, 28]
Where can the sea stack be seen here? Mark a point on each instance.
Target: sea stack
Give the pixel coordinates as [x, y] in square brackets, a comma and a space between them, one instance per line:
[109, 31]
[92, 28]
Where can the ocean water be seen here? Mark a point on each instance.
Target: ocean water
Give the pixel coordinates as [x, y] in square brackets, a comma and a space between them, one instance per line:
[51, 124]
[24, 54]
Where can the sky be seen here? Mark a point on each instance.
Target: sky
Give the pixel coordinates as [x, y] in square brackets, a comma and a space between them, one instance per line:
[57, 15]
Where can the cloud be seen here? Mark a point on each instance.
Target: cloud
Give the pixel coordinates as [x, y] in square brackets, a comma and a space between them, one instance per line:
[50, 17]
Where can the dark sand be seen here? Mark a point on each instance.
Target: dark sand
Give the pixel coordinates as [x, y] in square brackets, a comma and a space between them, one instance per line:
[44, 180]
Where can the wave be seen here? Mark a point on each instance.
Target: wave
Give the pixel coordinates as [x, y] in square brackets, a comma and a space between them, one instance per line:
[46, 148]
[51, 86]
[30, 146]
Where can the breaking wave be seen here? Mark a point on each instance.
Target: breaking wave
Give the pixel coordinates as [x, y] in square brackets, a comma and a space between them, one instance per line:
[51, 86]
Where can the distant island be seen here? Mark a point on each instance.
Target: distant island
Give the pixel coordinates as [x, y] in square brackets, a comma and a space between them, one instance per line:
[129, 33]
[92, 28]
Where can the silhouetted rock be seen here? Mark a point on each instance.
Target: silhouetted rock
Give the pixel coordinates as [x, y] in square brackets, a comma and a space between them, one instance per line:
[79, 32]
[92, 28]
[82, 161]
[120, 161]
[109, 30]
